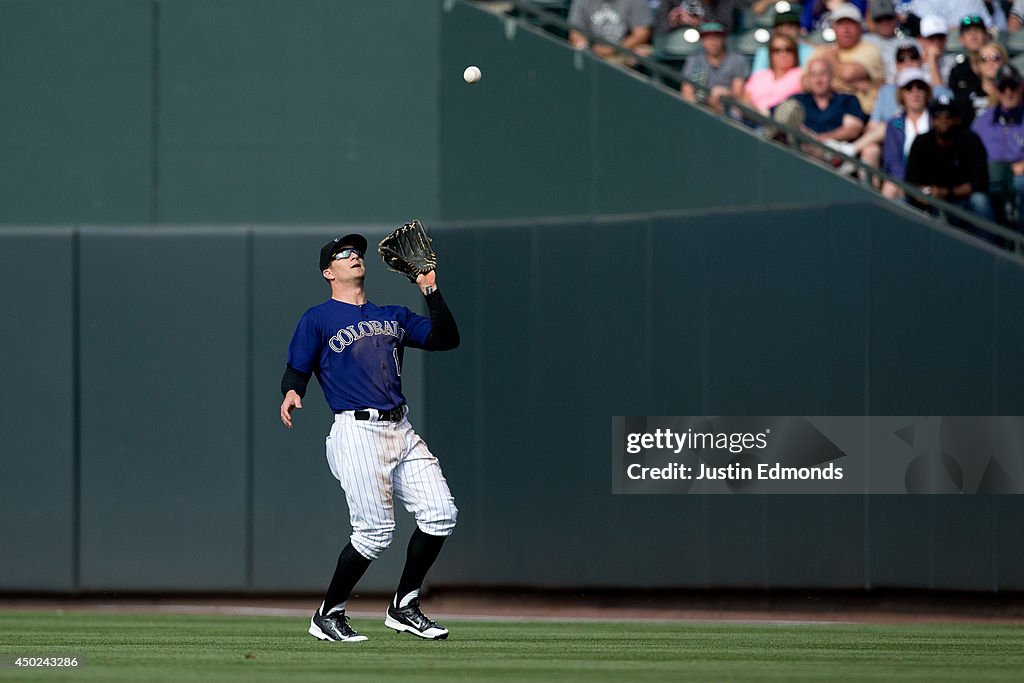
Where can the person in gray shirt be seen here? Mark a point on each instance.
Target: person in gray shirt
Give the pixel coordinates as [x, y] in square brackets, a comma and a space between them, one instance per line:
[714, 72]
[626, 23]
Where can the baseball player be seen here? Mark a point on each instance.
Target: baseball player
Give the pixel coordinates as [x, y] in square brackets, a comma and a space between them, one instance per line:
[355, 349]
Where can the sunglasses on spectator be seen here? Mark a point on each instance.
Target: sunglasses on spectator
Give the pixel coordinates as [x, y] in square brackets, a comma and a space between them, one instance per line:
[345, 253]
[784, 49]
[907, 57]
[916, 85]
[991, 58]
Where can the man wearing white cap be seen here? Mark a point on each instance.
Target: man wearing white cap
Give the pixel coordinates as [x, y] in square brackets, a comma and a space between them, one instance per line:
[857, 66]
[933, 41]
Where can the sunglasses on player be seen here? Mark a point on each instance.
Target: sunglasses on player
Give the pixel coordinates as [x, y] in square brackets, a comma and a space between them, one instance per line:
[345, 253]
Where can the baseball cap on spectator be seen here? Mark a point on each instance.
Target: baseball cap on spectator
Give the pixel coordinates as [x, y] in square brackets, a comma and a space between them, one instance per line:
[336, 245]
[933, 25]
[942, 104]
[1007, 77]
[711, 27]
[789, 17]
[880, 9]
[972, 22]
[910, 75]
[847, 11]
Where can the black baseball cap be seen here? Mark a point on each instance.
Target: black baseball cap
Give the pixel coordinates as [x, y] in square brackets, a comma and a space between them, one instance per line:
[1008, 77]
[972, 22]
[789, 17]
[942, 104]
[881, 9]
[336, 245]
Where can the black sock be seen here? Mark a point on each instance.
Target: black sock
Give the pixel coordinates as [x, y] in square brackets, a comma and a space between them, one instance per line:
[423, 550]
[351, 567]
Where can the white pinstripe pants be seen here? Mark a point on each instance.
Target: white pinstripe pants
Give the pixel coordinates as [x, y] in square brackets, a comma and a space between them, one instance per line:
[378, 461]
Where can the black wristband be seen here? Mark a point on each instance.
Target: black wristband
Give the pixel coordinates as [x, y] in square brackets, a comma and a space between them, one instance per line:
[293, 380]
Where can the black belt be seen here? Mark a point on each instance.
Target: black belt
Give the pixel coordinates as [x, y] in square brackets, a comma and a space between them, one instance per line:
[393, 415]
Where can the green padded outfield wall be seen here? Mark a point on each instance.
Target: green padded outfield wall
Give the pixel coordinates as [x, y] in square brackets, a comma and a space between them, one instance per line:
[38, 472]
[171, 111]
[145, 452]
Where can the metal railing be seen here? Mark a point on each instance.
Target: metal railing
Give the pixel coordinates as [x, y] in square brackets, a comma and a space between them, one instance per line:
[740, 115]
[873, 177]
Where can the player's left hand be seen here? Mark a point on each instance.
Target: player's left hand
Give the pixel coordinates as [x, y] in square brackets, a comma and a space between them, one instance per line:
[291, 401]
[427, 280]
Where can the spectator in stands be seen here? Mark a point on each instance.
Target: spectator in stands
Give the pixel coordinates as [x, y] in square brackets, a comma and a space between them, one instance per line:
[1001, 129]
[715, 70]
[730, 13]
[759, 7]
[1000, 21]
[949, 162]
[1016, 20]
[952, 11]
[626, 23]
[982, 92]
[857, 66]
[886, 106]
[783, 78]
[913, 96]
[883, 34]
[964, 78]
[784, 24]
[815, 10]
[933, 43]
[828, 115]
[673, 15]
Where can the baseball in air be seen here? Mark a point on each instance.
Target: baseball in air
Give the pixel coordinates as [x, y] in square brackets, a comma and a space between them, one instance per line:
[472, 74]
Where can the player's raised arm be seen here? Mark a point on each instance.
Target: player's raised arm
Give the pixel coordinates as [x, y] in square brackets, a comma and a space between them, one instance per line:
[409, 250]
[444, 333]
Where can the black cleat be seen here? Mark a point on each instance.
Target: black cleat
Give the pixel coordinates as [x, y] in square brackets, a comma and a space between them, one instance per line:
[412, 620]
[333, 627]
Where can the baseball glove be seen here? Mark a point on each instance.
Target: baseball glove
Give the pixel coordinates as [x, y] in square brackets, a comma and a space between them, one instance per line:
[407, 250]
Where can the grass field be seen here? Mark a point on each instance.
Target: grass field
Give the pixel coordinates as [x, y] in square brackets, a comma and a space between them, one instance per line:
[134, 647]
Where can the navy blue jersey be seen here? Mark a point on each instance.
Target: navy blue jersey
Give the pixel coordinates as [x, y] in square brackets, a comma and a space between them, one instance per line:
[356, 351]
[831, 117]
